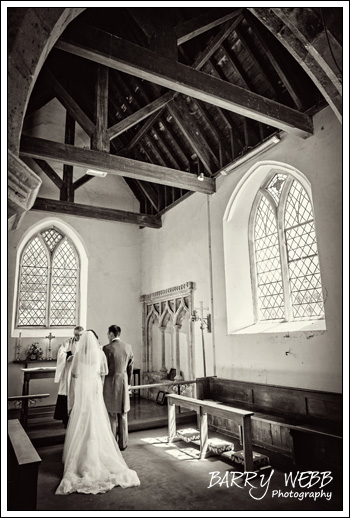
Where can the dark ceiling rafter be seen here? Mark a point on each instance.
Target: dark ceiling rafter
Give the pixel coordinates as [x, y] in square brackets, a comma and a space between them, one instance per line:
[179, 95]
[111, 51]
[48, 150]
[89, 211]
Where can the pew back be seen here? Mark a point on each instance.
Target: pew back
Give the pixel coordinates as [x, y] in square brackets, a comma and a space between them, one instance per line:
[23, 465]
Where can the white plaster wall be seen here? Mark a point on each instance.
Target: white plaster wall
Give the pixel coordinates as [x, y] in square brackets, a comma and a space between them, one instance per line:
[178, 252]
[113, 251]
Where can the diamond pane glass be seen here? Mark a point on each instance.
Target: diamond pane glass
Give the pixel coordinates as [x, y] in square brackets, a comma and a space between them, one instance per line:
[33, 285]
[64, 286]
[298, 207]
[268, 264]
[51, 238]
[276, 185]
[304, 269]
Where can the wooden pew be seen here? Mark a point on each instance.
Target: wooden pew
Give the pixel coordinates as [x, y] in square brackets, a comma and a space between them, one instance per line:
[203, 408]
[303, 424]
[23, 465]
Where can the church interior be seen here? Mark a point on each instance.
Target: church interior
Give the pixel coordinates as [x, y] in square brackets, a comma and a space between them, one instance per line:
[177, 171]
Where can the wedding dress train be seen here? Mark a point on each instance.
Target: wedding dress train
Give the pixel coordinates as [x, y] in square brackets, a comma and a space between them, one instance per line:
[92, 459]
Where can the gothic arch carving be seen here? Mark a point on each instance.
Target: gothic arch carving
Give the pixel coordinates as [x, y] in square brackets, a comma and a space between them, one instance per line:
[164, 313]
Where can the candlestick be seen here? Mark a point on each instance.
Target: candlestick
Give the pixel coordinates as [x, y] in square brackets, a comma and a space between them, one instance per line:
[18, 347]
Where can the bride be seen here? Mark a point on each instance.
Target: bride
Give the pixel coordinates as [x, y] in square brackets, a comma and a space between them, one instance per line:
[92, 459]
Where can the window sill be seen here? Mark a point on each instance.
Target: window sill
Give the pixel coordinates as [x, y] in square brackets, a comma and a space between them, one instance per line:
[282, 327]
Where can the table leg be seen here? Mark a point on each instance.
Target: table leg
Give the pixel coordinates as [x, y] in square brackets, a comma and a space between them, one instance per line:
[25, 390]
[247, 444]
[203, 427]
[171, 422]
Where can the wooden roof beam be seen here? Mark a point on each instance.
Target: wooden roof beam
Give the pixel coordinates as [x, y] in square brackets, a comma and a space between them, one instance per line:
[109, 50]
[113, 164]
[89, 211]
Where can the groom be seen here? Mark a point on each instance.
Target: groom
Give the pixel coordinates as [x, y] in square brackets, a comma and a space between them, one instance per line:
[120, 360]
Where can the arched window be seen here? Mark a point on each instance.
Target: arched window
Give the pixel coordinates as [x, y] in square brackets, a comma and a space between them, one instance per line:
[286, 280]
[48, 290]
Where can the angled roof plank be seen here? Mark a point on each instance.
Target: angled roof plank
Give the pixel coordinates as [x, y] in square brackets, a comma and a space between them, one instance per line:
[247, 45]
[215, 43]
[153, 142]
[142, 90]
[107, 49]
[142, 131]
[188, 131]
[204, 22]
[51, 173]
[175, 140]
[199, 131]
[69, 103]
[149, 195]
[140, 115]
[82, 180]
[271, 54]
[113, 164]
[216, 131]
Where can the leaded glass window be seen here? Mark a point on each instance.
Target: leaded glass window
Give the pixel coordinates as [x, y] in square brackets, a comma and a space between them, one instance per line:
[268, 264]
[287, 280]
[48, 286]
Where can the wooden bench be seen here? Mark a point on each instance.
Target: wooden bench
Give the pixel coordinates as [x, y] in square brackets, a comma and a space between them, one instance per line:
[303, 424]
[23, 464]
[203, 408]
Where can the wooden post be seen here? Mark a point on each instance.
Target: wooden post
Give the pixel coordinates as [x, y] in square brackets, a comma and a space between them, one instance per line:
[100, 139]
[67, 189]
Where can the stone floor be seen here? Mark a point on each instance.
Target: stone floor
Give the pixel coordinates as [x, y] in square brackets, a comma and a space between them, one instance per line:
[173, 479]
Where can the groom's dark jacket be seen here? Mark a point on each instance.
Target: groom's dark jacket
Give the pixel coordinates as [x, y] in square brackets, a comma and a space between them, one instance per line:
[120, 359]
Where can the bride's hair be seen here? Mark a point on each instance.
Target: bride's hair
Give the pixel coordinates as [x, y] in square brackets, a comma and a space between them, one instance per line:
[92, 331]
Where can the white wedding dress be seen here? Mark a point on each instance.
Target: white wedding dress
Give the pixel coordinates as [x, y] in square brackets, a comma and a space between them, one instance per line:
[92, 459]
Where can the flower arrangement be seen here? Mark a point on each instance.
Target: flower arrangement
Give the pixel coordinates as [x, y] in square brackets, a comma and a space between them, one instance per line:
[34, 352]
